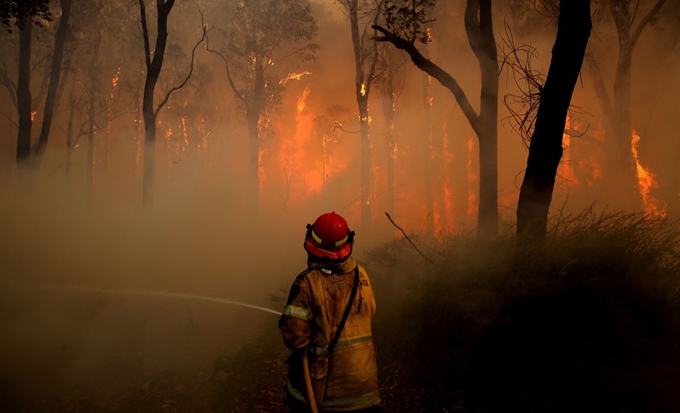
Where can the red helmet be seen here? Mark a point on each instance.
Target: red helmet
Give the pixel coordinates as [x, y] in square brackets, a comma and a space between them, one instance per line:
[329, 237]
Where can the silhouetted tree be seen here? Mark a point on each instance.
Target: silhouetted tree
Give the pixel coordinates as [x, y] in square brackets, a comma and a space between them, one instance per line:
[154, 64]
[405, 27]
[23, 92]
[14, 12]
[545, 148]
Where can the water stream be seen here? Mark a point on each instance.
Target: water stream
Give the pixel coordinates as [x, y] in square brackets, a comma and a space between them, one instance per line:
[162, 294]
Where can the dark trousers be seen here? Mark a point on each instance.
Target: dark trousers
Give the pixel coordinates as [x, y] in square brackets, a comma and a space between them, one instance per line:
[297, 407]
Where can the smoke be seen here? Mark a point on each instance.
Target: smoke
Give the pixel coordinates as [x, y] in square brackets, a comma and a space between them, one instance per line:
[200, 239]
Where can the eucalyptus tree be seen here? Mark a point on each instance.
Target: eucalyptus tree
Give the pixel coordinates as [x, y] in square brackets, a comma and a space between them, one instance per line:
[406, 20]
[264, 41]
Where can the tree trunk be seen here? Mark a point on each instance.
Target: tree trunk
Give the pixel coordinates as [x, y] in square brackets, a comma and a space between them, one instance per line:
[24, 91]
[55, 74]
[627, 174]
[253, 120]
[389, 112]
[545, 149]
[93, 97]
[154, 64]
[69, 127]
[487, 127]
[365, 168]
[361, 86]
[427, 157]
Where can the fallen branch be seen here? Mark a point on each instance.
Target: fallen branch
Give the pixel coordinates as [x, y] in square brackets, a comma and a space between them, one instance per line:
[409, 240]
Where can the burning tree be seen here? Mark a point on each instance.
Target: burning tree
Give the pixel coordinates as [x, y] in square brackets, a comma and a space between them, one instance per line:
[405, 20]
[616, 107]
[365, 70]
[265, 39]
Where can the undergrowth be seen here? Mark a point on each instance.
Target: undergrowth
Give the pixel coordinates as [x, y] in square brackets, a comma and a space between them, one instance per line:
[586, 322]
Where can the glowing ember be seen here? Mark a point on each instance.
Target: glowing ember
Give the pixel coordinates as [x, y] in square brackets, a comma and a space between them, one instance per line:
[565, 170]
[363, 89]
[33, 115]
[646, 181]
[294, 76]
[114, 82]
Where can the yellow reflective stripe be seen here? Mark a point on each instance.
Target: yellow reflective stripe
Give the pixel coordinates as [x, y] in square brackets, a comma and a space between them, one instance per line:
[342, 241]
[372, 397]
[295, 392]
[316, 237]
[342, 344]
[297, 312]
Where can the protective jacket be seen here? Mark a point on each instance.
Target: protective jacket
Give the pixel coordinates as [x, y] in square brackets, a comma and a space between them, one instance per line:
[347, 379]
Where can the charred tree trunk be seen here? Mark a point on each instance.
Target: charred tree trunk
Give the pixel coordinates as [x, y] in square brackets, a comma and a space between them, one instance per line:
[24, 91]
[545, 150]
[154, 64]
[55, 74]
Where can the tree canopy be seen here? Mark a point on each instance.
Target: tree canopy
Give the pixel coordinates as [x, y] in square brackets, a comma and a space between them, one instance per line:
[12, 10]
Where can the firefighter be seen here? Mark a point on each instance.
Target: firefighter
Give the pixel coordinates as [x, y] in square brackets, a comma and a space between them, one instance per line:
[327, 319]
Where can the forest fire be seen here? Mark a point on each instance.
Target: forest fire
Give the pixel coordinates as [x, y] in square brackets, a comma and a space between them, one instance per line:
[646, 182]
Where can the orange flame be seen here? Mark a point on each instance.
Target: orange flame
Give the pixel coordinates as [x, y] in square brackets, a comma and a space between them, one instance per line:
[448, 184]
[294, 76]
[646, 181]
[565, 170]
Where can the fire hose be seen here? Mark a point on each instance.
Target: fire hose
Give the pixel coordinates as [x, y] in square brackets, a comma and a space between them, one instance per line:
[308, 383]
[305, 361]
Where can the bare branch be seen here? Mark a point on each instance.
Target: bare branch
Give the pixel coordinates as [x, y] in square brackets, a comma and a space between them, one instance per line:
[191, 70]
[9, 119]
[409, 240]
[646, 20]
[145, 33]
[433, 70]
[226, 66]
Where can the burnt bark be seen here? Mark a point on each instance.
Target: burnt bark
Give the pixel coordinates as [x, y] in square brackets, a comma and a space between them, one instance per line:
[545, 149]
[53, 88]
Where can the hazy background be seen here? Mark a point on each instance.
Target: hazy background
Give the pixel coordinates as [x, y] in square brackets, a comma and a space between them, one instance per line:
[198, 236]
